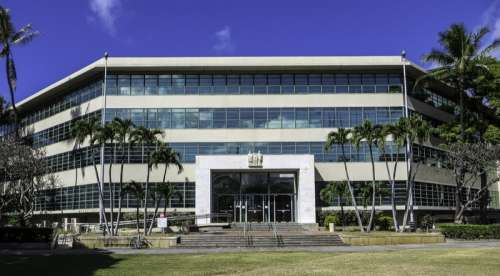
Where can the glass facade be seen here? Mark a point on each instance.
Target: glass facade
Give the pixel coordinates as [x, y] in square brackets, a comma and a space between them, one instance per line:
[87, 197]
[75, 98]
[312, 117]
[250, 83]
[426, 194]
[59, 132]
[138, 154]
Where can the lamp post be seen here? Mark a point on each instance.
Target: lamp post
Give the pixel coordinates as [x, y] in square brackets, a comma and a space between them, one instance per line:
[103, 122]
[408, 146]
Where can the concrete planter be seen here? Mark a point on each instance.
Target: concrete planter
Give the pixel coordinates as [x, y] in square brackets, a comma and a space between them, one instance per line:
[367, 239]
[122, 242]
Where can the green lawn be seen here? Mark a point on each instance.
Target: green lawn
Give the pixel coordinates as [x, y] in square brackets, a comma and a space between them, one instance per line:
[406, 262]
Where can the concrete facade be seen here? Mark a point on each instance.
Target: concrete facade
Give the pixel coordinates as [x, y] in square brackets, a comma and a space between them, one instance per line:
[303, 164]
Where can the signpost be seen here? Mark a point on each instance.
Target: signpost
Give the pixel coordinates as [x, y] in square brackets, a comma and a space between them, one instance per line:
[162, 222]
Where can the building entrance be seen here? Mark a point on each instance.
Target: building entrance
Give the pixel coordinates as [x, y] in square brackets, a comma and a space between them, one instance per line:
[255, 196]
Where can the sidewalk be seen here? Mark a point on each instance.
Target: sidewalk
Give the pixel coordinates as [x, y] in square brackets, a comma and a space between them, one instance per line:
[331, 249]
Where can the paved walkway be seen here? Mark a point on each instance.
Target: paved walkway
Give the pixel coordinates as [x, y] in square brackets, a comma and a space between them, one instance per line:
[332, 249]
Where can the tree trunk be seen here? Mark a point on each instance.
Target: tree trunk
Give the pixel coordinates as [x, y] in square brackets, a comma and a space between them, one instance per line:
[392, 180]
[101, 196]
[137, 217]
[353, 198]
[146, 190]
[458, 194]
[342, 215]
[118, 216]
[374, 192]
[11, 92]
[157, 205]
[111, 187]
[483, 202]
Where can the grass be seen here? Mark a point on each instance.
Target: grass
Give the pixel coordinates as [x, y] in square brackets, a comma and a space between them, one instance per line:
[406, 262]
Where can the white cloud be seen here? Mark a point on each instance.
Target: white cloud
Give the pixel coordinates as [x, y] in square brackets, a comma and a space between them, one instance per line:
[491, 18]
[106, 13]
[224, 42]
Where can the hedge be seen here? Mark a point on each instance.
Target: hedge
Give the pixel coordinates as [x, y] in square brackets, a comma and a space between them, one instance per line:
[470, 231]
[20, 234]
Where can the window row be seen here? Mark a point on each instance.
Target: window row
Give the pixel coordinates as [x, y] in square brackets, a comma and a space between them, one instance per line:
[257, 117]
[59, 132]
[139, 154]
[383, 197]
[165, 84]
[87, 197]
[73, 99]
[426, 194]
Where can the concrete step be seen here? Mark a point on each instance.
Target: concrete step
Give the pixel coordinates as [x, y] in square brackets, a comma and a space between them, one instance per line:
[207, 240]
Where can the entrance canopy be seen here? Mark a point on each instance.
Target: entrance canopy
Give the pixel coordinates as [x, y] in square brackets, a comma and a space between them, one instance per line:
[255, 188]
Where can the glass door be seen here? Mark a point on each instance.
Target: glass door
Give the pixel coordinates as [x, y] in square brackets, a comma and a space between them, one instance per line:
[255, 207]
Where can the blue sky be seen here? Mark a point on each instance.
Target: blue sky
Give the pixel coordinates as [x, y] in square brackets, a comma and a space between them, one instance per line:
[77, 32]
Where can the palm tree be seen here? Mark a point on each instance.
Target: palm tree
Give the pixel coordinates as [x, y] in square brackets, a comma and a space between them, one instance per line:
[10, 37]
[417, 131]
[147, 137]
[137, 190]
[368, 133]
[91, 129]
[163, 191]
[168, 157]
[341, 137]
[122, 130]
[460, 60]
[79, 132]
[106, 135]
[398, 134]
[336, 190]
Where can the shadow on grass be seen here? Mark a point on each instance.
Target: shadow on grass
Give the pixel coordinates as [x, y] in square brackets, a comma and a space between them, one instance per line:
[48, 264]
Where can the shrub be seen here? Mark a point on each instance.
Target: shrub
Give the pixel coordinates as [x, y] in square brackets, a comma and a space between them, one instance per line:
[19, 234]
[384, 222]
[331, 219]
[470, 231]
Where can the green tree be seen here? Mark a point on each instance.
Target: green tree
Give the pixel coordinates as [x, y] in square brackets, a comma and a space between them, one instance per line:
[10, 37]
[336, 190]
[417, 131]
[167, 157]
[122, 130]
[136, 190]
[461, 60]
[91, 129]
[368, 133]
[147, 137]
[341, 137]
[398, 134]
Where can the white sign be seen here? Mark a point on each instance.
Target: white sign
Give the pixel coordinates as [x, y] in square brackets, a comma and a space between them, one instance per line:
[161, 222]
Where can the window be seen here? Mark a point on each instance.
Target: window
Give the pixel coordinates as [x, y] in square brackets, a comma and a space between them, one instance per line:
[233, 118]
[246, 118]
[342, 117]
[260, 117]
[151, 85]
[315, 117]
[178, 118]
[288, 117]
[205, 118]
[192, 118]
[137, 85]
[164, 84]
[301, 118]
[124, 85]
[274, 118]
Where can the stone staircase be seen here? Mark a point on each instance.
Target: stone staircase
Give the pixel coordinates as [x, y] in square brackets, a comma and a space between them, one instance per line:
[261, 235]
